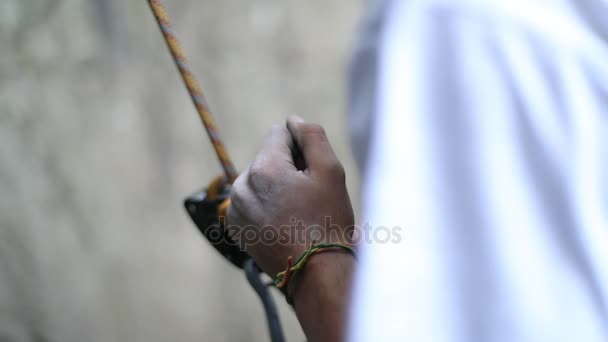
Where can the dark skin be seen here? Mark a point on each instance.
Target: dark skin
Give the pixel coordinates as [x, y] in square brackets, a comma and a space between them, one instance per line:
[296, 176]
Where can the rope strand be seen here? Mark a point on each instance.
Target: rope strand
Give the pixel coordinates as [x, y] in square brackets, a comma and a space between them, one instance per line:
[195, 90]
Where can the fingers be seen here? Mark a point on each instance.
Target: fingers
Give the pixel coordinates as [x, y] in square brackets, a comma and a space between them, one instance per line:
[277, 144]
[272, 164]
[274, 170]
[318, 154]
[275, 153]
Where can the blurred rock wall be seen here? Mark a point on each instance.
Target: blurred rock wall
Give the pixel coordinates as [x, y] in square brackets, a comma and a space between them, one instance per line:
[99, 144]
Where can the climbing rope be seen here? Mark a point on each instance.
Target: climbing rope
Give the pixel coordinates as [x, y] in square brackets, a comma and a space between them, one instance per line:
[195, 90]
[218, 185]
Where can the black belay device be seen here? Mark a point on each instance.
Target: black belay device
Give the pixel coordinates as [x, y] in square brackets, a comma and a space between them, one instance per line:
[203, 208]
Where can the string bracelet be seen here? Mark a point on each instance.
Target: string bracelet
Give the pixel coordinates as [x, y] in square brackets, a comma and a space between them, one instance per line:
[282, 279]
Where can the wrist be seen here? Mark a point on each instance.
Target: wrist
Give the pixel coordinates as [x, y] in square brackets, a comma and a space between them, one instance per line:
[329, 270]
[321, 293]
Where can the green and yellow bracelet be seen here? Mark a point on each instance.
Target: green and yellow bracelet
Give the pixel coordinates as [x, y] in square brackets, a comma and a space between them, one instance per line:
[282, 279]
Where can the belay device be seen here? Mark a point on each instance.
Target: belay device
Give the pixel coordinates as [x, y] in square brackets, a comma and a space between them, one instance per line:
[205, 206]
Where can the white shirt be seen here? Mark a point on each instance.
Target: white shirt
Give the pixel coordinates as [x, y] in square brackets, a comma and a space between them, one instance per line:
[489, 152]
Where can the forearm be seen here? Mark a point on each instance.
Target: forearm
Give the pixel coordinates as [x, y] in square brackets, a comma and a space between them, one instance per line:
[321, 294]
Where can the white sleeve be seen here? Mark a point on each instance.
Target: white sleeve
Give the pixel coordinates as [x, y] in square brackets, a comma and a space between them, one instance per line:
[486, 186]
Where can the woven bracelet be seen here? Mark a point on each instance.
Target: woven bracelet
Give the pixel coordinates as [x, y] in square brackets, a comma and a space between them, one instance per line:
[282, 279]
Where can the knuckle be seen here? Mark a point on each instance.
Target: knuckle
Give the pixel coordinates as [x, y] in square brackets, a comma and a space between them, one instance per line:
[259, 174]
[237, 201]
[239, 184]
[239, 194]
[261, 180]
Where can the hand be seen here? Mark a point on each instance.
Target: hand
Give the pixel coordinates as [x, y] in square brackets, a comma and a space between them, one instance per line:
[293, 192]
[296, 188]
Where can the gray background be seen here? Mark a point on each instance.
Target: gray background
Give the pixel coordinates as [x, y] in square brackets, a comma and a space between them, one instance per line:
[99, 144]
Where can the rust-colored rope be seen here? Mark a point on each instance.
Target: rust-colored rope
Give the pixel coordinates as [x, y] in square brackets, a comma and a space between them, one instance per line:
[196, 93]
